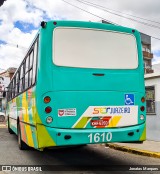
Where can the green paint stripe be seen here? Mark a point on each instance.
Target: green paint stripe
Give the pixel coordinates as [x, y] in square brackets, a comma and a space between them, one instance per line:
[81, 123]
[143, 136]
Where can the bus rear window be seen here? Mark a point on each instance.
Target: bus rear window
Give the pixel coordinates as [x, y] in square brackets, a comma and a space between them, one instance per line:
[93, 48]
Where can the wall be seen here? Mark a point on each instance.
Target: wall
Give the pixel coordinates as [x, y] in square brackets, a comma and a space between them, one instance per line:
[4, 81]
[146, 39]
[153, 121]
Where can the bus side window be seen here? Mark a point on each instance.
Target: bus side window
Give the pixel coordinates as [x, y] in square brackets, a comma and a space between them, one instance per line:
[11, 89]
[26, 80]
[21, 85]
[14, 86]
[26, 72]
[30, 69]
[34, 62]
[17, 83]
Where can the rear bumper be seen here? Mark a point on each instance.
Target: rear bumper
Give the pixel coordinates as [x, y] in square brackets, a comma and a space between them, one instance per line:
[62, 137]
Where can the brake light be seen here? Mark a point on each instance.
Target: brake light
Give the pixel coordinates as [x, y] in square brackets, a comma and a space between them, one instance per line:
[47, 99]
[48, 109]
[142, 108]
[143, 99]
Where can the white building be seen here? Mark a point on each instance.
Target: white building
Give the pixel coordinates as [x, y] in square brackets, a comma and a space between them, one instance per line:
[4, 81]
[152, 83]
[5, 78]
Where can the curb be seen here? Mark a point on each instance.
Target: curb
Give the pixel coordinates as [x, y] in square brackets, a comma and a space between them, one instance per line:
[3, 125]
[134, 150]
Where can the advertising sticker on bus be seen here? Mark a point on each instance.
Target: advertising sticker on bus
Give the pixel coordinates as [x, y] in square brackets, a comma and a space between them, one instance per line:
[67, 112]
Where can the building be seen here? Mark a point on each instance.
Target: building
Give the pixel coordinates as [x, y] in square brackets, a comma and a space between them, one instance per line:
[152, 84]
[147, 54]
[5, 78]
[146, 48]
[8, 73]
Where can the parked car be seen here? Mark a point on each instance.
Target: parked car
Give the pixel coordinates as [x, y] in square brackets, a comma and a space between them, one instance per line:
[2, 117]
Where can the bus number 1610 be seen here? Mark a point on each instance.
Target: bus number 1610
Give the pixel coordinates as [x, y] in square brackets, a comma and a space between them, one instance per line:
[100, 137]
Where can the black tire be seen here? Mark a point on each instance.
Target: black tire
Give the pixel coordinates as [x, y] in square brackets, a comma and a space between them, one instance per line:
[78, 146]
[22, 145]
[9, 129]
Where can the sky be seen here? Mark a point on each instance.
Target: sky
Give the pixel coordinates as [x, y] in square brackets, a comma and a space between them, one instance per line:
[20, 21]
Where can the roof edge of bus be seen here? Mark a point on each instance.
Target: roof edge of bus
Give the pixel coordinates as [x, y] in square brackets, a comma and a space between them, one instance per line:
[92, 22]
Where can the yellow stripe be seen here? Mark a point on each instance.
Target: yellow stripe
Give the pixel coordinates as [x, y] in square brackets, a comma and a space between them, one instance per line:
[110, 123]
[24, 107]
[143, 136]
[82, 122]
[43, 136]
[26, 119]
[44, 139]
[114, 121]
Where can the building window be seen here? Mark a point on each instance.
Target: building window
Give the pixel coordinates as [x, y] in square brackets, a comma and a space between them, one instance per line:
[147, 64]
[150, 99]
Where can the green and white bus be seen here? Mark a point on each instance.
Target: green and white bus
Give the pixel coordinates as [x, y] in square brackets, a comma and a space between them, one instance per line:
[79, 83]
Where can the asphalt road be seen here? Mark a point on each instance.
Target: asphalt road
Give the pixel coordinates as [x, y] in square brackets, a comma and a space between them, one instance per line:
[87, 159]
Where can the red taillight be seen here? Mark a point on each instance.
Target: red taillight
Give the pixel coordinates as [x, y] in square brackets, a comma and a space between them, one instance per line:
[47, 99]
[142, 108]
[48, 109]
[143, 99]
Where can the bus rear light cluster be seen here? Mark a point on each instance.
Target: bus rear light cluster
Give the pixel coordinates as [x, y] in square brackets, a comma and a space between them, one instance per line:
[47, 99]
[142, 108]
[143, 99]
[48, 109]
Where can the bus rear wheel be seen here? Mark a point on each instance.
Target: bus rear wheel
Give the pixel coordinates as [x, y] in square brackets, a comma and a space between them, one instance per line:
[9, 129]
[22, 145]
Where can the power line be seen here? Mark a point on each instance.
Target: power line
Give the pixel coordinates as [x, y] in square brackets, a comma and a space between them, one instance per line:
[122, 12]
[14, 45]
[119, 15]
[89, 12]
[155, 38]
[98, 16]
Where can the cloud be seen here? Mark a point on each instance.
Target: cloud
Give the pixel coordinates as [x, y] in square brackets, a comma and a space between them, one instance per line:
[20, 19]
[156, 60]
[10, 54]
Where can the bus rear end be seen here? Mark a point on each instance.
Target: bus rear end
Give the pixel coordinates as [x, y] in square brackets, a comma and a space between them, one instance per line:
[90, 86]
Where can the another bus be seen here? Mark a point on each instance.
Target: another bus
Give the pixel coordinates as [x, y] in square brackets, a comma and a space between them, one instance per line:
[79, 83]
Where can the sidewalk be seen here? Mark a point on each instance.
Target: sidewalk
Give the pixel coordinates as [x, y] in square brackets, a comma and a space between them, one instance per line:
[147, 148]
